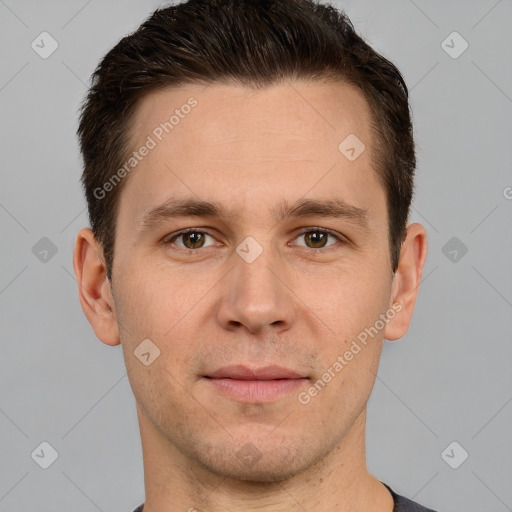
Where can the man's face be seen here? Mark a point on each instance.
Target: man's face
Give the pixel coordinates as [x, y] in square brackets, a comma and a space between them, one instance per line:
[210, 300]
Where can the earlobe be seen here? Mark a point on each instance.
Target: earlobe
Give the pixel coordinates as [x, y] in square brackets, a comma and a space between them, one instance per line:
[93, 287]
[406, 281]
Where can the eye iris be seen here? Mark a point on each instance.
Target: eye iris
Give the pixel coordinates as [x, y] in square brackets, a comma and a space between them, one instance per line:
[317, 237]
[196, 239]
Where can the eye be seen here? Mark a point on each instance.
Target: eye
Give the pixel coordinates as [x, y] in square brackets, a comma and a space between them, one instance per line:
[191, 239]
[317, 238]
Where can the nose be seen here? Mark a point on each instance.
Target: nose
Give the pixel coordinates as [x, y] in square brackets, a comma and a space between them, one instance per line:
[255, 296]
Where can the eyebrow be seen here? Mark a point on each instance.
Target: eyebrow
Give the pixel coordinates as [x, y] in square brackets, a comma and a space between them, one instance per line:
[191, 207]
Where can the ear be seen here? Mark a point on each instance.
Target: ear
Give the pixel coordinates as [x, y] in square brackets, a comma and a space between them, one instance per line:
[406, 281]
[94, 289]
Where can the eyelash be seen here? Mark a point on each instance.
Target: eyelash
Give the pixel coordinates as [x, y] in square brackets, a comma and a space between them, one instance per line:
[171, 238]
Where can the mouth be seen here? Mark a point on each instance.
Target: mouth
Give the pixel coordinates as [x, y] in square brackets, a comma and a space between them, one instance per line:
[258, 385]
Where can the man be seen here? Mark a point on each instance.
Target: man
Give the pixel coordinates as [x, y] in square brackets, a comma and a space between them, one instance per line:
[248, 167]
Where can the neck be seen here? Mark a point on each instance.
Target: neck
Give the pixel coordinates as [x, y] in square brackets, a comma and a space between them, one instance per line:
[339, 481]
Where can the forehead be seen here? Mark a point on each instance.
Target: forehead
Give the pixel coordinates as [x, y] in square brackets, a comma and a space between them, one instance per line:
[276, 141]
[300, 109]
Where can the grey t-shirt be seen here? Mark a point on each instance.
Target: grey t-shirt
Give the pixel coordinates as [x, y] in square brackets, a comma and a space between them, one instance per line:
[401, 504]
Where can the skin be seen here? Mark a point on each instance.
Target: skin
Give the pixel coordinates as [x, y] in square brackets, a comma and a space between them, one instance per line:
[298, 304]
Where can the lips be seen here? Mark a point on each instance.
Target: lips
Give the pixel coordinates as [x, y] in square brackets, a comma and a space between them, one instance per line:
[240, 372]
[259, 385]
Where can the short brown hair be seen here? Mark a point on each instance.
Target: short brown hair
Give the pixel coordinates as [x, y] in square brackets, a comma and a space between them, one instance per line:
[252, 43]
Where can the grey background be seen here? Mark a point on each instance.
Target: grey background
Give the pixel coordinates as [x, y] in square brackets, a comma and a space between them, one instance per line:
[447, 380]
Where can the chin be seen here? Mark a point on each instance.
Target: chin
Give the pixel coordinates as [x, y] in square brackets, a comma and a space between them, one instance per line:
[259, 461]
[272, 471]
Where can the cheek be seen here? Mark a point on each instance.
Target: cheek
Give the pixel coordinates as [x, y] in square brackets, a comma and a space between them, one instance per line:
[155, 301]
[340, 394]
[347, 302]
[153, 305]
[350, 306]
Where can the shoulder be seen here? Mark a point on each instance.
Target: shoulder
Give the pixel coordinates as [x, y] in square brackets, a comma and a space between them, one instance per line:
[403, 504]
